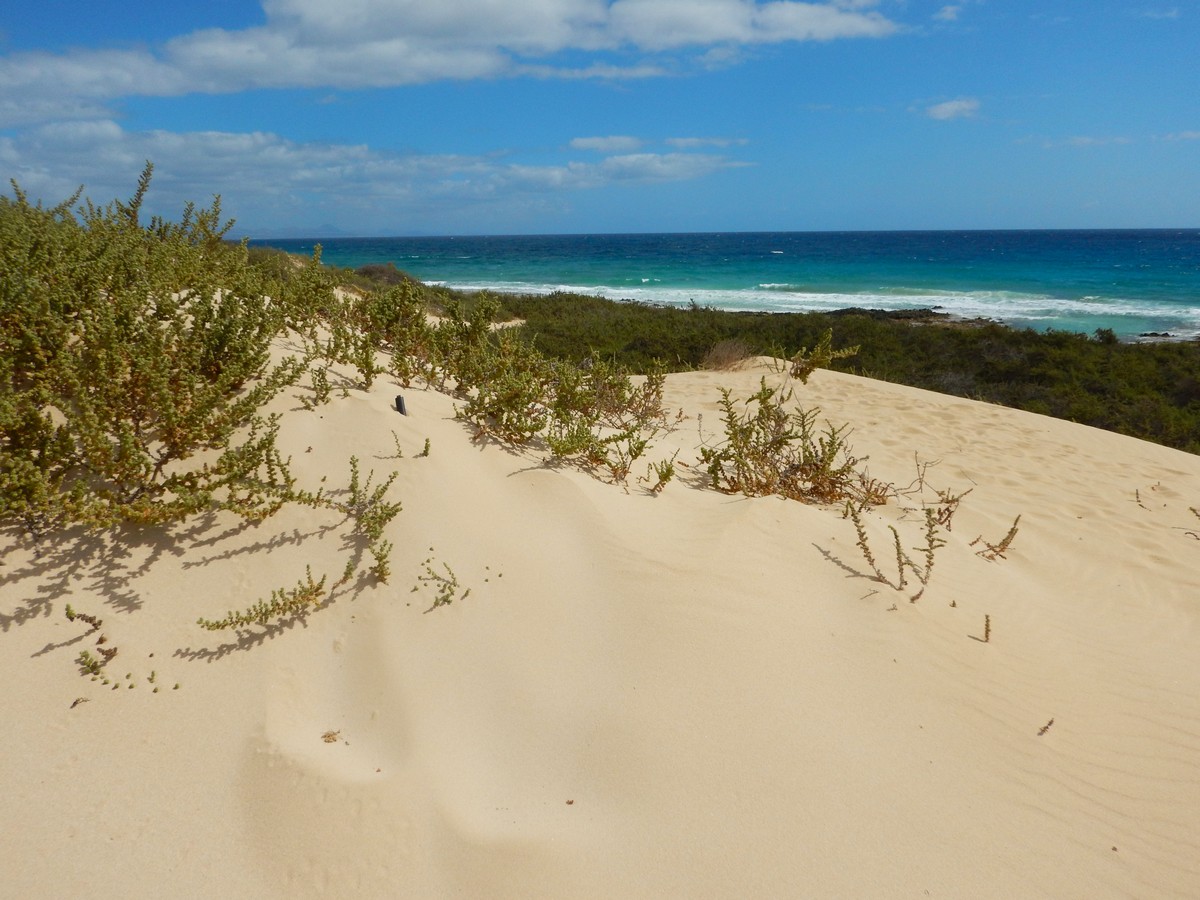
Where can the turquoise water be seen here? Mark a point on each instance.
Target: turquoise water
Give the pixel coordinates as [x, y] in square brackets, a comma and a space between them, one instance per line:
[1133, 282]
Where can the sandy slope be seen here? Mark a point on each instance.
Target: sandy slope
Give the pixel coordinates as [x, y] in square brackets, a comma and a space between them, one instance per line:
[683, 695]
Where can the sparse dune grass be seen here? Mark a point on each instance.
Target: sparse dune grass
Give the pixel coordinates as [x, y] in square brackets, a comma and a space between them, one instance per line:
[726, 355]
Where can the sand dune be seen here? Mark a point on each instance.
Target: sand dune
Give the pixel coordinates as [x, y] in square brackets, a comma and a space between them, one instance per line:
[681, 695]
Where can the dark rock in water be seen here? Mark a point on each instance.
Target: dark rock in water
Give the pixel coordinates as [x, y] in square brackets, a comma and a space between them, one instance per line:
[896, 315]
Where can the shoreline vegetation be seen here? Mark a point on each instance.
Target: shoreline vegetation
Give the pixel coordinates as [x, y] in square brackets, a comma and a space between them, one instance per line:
[1146, 389]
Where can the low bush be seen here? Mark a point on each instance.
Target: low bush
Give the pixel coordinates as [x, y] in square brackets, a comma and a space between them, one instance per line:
[133, 367]
[726, 354]
[770, 447]
[1146, 390]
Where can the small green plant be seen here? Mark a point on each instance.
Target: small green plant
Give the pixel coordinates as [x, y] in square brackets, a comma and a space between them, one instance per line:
[399, 454]
[365, 348]
[659, 474]
[88, 664]
[445, 586]
[298, 600]
[806, 361]
[904, 562]
[992, 552]
[947, 506]
[770, 449]
[372, 512]
[320, 386]
[933, 543]
[72, 615]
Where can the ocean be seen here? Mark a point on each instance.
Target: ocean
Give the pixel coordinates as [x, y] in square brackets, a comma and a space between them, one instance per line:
[1133, 282]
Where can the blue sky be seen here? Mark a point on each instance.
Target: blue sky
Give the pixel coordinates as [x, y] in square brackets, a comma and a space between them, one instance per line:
[382, 117]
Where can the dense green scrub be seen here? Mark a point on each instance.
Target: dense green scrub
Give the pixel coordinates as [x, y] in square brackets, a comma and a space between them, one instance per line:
[133, 365]
[1150, 390]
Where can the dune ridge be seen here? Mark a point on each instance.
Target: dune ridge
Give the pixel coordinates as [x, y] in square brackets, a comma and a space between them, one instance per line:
[684, 694]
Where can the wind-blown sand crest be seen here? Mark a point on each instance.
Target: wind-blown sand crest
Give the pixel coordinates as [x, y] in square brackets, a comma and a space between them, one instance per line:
[683, 695]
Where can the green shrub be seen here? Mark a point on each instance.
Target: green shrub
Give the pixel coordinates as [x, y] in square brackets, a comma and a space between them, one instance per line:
[283, 602]
[806, 361]
[771, 449]
[1147, 390]
[133, 365]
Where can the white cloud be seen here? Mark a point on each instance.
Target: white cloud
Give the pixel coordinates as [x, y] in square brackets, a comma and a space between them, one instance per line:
[660, 166]
[1182, 136]
[264, 178]
[720, 57]
[782, 21]
[594, 71]
[948, 13]
[25, 110]
[611, 144]
[1083, 140]
[1089, 141]
[1172, 13]
[963, 107]
[691, 143]
[373, 43]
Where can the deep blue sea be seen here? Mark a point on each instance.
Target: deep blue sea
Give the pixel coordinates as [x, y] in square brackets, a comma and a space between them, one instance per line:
[1133, 282]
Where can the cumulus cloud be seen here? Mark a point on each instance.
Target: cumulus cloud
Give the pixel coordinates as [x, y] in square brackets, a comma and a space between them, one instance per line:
[374, 43]
[612, 144]
[961, 108]
[266, 178]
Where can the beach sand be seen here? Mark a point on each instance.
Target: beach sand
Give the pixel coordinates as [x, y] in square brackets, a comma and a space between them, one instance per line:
[687, 694]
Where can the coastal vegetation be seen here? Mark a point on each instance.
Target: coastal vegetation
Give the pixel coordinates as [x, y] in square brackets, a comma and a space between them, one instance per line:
[137, 362]
[134, 366]
[1148, 390]
[1145, 390]
[772, 447]
[138, 359]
